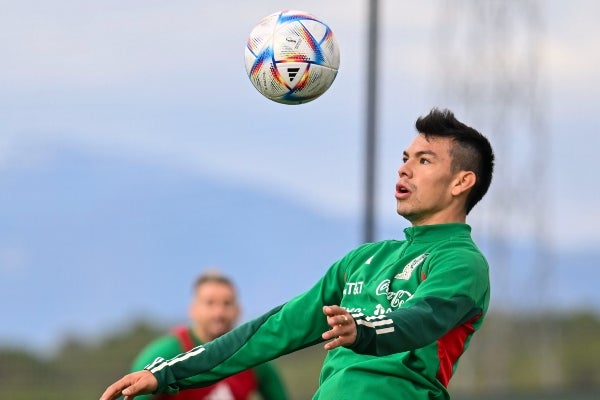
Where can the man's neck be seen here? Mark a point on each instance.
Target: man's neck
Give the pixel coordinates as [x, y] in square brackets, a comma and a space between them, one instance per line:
[439, 219]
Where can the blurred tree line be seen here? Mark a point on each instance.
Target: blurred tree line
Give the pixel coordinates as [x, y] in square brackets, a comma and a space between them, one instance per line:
[529, 358]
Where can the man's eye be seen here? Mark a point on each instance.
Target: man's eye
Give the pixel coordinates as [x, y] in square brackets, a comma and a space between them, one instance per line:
[425, 161]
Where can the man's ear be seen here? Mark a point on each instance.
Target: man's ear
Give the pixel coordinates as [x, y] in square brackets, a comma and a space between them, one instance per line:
[463, 182]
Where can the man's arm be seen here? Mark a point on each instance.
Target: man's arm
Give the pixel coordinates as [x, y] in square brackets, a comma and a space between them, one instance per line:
[278, 332]
[296, 324]
[144, 382]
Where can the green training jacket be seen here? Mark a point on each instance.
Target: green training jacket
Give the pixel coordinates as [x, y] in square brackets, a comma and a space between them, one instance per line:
[416, 304]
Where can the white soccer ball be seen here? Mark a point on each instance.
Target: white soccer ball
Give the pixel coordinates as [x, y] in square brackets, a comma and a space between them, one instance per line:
[292, 57]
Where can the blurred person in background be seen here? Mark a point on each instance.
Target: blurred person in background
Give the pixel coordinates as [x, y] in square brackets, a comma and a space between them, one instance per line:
[213, 311]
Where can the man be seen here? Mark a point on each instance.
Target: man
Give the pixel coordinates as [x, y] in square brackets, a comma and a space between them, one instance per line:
[395, 315]
[213, 311]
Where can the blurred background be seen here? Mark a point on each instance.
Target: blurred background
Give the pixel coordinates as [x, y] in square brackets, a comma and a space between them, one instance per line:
[135, 153]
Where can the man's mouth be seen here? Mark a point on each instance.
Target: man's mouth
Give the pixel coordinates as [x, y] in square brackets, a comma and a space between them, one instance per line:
[402, 191]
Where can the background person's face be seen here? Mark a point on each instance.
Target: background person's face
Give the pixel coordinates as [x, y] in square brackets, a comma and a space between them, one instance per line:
[214, 310]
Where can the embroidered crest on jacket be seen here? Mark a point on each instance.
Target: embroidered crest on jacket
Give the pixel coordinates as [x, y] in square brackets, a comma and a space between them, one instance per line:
[409, 268]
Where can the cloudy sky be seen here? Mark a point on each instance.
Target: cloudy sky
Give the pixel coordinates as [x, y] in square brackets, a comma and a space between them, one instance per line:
[163, 83]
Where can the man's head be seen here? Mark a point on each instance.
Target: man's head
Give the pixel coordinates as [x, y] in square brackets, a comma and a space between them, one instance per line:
[447, 169]
[214, 309]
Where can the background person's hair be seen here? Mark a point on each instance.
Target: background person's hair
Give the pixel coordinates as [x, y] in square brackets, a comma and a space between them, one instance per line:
[212, 276]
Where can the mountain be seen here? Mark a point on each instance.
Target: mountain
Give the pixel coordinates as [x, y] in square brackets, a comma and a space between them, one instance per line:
[90, 243]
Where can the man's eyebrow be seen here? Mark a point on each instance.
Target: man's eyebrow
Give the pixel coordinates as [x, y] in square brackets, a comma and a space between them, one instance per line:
[421, 153]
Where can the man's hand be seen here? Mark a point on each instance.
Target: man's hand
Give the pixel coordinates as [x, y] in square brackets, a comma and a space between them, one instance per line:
[343, 328]
[141, 382]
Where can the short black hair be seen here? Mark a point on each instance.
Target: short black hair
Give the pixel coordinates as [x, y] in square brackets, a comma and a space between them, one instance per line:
[471, 150]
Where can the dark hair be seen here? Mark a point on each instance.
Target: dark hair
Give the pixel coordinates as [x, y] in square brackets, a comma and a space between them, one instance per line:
[471, 150]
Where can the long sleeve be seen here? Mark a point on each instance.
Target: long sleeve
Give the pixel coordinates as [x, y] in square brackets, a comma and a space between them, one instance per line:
[297, 324]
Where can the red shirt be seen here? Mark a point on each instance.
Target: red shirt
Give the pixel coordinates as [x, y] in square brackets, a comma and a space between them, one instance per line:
[236, 387]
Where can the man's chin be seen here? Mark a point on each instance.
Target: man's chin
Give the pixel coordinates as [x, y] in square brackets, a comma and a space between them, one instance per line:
[403, 213]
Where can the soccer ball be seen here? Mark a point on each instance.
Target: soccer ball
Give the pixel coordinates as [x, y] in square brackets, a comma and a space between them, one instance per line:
[292, 57]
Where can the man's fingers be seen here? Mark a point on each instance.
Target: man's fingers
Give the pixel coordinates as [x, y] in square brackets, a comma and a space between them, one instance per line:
[113, 391]
[123, 386]
[333, 310]
[332, 344]
[337, 342]
[343, 328]
[336, 315]
[142, 382]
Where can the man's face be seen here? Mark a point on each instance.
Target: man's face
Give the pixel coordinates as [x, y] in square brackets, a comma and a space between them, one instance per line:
[425, 181]
[214, 310]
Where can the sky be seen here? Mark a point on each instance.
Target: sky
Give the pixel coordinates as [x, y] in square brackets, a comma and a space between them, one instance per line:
[163, 85]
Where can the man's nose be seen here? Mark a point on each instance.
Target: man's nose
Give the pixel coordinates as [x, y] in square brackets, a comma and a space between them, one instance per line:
[404, 170]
